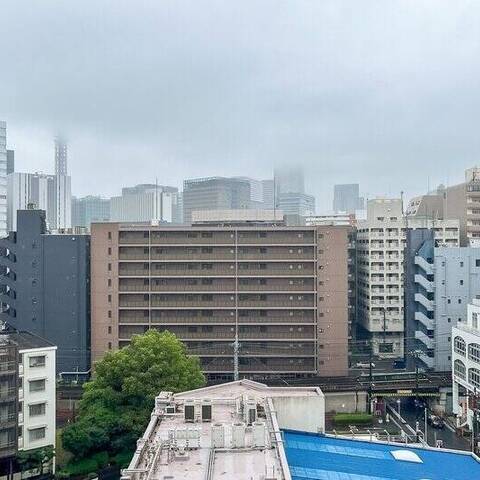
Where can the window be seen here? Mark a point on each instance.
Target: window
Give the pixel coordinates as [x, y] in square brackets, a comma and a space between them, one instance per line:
[459, 346]
[109, 250]
[207, 234]
[36, 433]
[459, 300]
[461, 282]
[109, 282]
[109, 267]
[36, 410]
[109, 299]
[37, 361]
[474, 352]
[109, 330]
[474, 377]
[461, 264]
[477, 262]
[36, 385]
[109, 235]
[459, 369]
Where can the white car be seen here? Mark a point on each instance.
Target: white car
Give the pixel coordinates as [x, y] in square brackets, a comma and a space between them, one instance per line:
[364, 365]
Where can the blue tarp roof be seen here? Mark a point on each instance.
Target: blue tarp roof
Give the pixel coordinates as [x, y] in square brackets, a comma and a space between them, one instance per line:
[316, 457]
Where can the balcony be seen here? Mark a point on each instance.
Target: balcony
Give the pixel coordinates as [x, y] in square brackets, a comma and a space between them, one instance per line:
[428, 304]
[424, 320]
[424, 265]
[425, 339]
[426, 284]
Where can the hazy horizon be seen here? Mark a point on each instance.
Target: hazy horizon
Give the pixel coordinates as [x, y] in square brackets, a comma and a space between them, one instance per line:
[381, 94]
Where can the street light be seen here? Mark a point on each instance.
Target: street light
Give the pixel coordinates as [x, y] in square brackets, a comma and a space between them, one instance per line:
[398, 406]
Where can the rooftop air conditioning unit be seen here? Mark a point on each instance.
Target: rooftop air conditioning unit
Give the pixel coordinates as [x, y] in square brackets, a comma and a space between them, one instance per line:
[189, 411]
[218, 435]
[206, 410]
[238, 435]
[169, 409]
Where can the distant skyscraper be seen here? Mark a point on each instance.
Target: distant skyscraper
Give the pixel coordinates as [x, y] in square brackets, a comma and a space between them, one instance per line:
[346, 198]
[268, 194]
[10, 161]
[61, 167]
[3, 179]
[146, 203]
[90, 209]
[290, 196]
[51, 193]
[215, 193]
[289, 179]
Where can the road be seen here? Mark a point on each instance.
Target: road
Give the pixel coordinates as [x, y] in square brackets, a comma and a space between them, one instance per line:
[450, 439]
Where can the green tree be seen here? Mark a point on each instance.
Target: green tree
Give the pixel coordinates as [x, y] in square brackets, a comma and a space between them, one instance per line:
[116, 404]
[35, 459]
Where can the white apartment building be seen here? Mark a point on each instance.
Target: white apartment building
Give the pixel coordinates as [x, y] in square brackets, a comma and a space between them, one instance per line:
[466, 368]
[28, 394]
[381, 240]
[37, 392]
[3, 179]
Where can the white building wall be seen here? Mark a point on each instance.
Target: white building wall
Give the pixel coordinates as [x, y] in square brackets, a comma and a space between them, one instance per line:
[3, 179]
[31, 424]
[305, 414]
[457, 283]
[466, 364]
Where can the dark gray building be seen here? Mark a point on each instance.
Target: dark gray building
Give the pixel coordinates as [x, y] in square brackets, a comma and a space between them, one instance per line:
[215, 193]
[45, 287]
[420, 243]
[346, 198]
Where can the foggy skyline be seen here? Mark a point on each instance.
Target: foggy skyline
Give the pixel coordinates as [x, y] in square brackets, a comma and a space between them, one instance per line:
[381, 94]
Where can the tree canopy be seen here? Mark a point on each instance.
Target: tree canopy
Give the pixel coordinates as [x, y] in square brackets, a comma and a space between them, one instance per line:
[116, 404]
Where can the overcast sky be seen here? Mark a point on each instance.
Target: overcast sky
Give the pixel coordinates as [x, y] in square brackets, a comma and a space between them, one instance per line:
[383, 93]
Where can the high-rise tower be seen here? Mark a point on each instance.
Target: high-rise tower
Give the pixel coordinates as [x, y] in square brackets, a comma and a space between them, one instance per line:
[60, 156]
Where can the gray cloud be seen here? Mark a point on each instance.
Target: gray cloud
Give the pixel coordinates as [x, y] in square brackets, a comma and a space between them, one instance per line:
[383, 93]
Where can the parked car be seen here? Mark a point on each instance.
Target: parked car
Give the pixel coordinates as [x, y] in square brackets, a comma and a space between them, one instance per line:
[435, 421]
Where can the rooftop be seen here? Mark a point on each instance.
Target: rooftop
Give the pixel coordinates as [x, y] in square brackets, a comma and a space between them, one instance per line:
[25, 340]
[228, 431]
[318, 457]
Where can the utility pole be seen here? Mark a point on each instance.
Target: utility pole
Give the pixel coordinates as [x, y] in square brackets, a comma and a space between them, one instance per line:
[384, 310]
[370, 377]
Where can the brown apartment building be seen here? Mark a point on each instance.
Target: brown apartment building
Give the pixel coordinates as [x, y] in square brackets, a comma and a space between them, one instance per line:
[282, 290]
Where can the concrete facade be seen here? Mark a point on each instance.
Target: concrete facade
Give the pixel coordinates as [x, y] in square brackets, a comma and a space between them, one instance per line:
[146, 203]
[215, 193]
[27, 396]
[466, 369]
[283, 290]
[45, 287]
[381, 241]
[3, 179]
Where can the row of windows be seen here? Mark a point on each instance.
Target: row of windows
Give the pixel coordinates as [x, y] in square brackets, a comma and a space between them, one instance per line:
[460, 347]
[473, 373]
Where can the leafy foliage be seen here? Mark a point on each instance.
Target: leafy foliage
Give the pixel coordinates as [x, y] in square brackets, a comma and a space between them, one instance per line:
[116, 404]
[35, 459]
